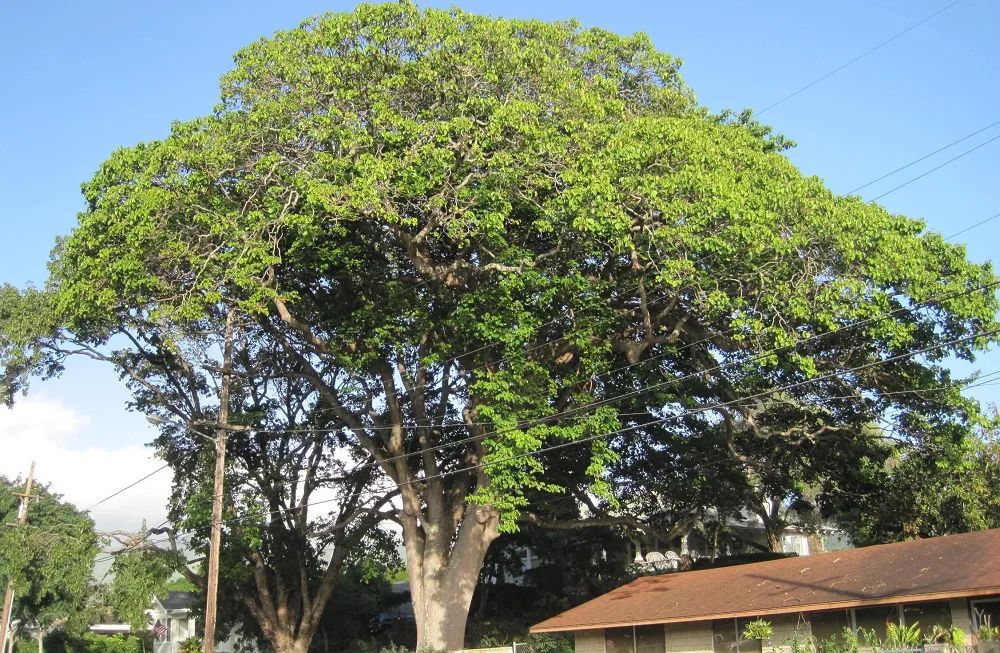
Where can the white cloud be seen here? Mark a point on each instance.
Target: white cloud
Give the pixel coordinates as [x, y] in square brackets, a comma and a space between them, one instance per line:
[48, 432]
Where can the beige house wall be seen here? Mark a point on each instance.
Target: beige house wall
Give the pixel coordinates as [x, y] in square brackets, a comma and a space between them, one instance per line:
[589, 641]
[786, 629]
[961, 616]
[697, 637]
[680, 638]
[689, 638]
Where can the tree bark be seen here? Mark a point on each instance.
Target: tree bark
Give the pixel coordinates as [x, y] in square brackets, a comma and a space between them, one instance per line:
[773, 540]
[443, 579]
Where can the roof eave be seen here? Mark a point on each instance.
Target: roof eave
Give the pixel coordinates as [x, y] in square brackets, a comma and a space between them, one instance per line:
[813, 607]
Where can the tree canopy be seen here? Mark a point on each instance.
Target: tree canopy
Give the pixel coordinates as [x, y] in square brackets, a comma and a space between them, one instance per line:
[459, 240]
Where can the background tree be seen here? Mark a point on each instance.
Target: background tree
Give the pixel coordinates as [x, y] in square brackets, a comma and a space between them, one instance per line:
[909, 493]
[282, 558]
[475, 238]
[49, 559]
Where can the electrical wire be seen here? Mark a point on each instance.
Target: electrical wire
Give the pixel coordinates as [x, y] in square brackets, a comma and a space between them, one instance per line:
[858, 57]
[127, 487]
[971, 227]
[722, 366]
[656, 422]
[935, 168]
[924, 157]
[609, 400]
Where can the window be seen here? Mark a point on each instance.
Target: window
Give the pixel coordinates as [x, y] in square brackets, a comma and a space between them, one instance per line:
[638, 639]
[985, 611]
[724, 636]
[728, 638]
[619, 640]
[927, 615]
[795, 543]
[828, 625]
[876, 618]
[650, 639]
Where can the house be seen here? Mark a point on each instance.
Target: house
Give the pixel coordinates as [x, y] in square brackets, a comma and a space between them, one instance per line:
[742, 534]
[172, 621]
[947, 581]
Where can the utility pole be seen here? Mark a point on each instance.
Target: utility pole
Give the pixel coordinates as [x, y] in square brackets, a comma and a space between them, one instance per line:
[22, 517]
[212, 590]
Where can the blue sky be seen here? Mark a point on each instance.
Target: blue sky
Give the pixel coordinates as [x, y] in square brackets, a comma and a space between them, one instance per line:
[80, 79]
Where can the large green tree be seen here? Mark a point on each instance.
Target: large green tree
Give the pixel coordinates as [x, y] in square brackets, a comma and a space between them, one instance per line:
[472, 238]
[49, 559]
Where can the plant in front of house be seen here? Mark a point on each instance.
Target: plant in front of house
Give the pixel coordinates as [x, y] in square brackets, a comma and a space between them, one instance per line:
[868, 639]
[800, 644]
[190, 645]
[987, 631]
[898, 636]
[759, 629]
[845, 642]
[988, 635]
[944, 640]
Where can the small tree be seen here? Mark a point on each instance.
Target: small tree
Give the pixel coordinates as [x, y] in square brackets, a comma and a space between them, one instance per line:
[49, 559]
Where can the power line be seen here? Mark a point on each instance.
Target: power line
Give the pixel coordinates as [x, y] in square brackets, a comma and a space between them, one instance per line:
[715, 406]
[859, 57]
[971, 227]
[677, 380]
[655, 422]
[522, 423]
[924, 157]
[722, 366]
[127, 487]
[935, 168]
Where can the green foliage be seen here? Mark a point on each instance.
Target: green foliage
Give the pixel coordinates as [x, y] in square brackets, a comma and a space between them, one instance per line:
[987, 631]
[49, 559]
[845, 642]
[800, 644]
[869, 639]
[759, 629]
[139, 576]
[190, 645]
[389, 648]
[954, 636]
[532, 642]
[900, 636]
[180, 585]
[547, 643]
[92, 643]
[945, 488]
[61, 641]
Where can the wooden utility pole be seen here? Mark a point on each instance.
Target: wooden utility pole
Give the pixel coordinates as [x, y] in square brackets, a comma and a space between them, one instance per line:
[8, 599]
[212, 589]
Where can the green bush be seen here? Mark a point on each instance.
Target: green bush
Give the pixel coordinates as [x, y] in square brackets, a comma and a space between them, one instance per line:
[845, 642]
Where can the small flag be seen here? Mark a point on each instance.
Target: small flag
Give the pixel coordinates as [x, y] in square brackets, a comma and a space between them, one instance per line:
[159, 630]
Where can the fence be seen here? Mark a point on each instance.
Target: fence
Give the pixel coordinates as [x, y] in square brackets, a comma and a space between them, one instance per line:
[516, 647]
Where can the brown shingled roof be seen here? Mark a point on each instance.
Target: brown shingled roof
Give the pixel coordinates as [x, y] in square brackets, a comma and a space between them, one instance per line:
[932, 569]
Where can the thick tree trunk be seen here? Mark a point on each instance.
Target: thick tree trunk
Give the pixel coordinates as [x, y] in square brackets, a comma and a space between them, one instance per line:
[443, 578]
[287, 643]
[773, 539]
[774, 525]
